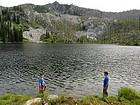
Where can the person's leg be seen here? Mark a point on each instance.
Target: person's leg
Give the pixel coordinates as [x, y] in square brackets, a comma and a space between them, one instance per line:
[105, 94]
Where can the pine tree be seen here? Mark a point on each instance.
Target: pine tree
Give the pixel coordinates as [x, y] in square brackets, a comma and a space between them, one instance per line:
[139, 23]
[14, 18]
[15, 34]
[17, 20]
[20, 36]
[47, 34]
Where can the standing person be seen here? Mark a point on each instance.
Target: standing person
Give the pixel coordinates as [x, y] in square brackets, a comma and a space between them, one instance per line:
[105, 86]
[42, 84]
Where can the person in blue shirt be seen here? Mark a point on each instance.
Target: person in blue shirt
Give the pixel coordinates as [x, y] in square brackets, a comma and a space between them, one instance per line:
[42, 84]
[105, 86]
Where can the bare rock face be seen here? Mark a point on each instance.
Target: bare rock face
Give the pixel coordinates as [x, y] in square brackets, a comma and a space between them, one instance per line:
[93, 28]
[33, 35]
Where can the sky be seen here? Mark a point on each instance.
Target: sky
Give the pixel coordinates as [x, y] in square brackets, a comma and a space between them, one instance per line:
[103, 5]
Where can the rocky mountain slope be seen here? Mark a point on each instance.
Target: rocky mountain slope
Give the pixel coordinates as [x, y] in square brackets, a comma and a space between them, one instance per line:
[56, 23]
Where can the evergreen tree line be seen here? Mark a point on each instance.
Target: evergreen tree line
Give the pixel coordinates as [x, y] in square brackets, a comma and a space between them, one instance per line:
[9, 30]
[122, 31]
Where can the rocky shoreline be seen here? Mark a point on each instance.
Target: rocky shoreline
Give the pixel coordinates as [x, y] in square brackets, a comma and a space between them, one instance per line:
[126, 96]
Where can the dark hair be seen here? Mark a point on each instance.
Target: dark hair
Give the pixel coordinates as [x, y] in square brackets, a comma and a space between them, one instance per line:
[106, 72]
[41, 74]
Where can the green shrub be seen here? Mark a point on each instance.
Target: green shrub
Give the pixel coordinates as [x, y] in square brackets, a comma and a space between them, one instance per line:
[128, 94]
[136, 102]
[25, 40]
[13, 99]
[43, 38]
[95, 100]
[42, 96]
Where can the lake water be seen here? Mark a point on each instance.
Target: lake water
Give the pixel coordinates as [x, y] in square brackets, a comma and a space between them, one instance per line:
[73, 69]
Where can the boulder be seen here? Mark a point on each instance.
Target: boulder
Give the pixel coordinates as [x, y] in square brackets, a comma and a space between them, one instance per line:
[50, 97]
[29, 102]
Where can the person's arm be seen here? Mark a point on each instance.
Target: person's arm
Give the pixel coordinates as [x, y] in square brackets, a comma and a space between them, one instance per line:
[39, 86]
[105, 88]
[45, 84]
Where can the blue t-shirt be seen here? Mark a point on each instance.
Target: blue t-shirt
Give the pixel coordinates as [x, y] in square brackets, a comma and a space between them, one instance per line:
[106, 80]
[41, 82]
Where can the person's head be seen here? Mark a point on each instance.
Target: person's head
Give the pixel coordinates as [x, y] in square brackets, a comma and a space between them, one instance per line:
[41, 75]
[105, 73]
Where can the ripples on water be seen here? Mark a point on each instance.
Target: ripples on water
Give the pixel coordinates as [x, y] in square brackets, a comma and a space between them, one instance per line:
[75, 70]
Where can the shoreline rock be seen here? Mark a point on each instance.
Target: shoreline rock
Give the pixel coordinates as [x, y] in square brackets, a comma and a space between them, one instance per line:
[50, 97]
[29, 102]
